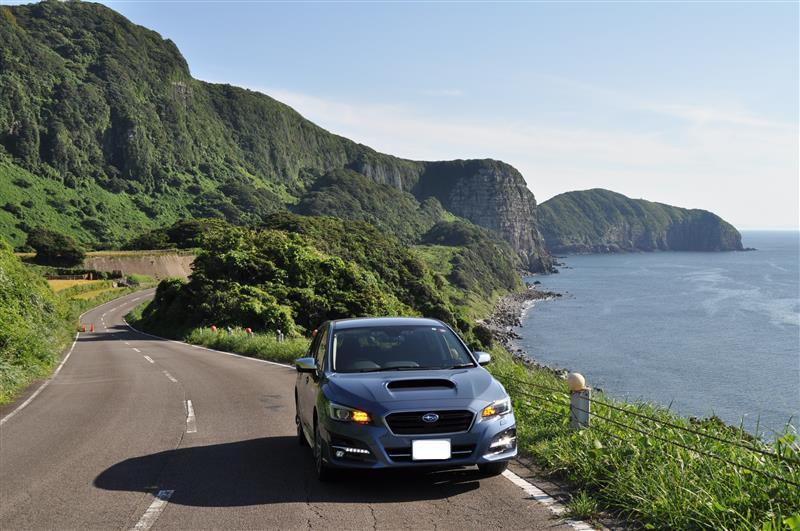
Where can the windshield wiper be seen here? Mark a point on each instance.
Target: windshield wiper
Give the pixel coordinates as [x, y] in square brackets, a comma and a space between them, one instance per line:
[402, 368]
[461, 366]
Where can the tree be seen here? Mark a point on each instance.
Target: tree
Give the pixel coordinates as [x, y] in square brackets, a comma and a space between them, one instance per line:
[54, 248]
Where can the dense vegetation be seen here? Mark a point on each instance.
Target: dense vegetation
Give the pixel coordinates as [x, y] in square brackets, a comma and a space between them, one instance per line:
[298, 271]
[604, 221]
[54, 249]
[31, 324]
[346, 194]
[183, 234]
[103, 133]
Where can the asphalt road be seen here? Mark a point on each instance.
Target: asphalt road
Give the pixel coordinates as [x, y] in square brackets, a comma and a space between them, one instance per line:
[111, 435]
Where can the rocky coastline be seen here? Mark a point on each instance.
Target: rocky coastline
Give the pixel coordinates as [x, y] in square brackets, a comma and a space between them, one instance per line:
[507, 315]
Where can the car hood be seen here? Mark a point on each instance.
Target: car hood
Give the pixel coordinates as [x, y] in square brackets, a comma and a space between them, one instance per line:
[410, 389]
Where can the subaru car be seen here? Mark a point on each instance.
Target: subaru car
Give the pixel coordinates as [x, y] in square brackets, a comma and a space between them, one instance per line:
[378, 393]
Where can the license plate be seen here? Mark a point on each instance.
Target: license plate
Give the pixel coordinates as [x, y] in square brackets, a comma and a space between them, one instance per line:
[430, 450]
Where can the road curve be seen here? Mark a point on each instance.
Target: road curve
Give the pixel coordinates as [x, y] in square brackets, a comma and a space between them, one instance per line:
[111, 442]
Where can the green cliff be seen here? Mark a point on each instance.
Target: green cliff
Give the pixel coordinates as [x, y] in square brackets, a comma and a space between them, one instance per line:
[601, 221]
[105, 134]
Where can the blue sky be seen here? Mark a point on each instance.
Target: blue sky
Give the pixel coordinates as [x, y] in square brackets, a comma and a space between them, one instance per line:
[693, 104]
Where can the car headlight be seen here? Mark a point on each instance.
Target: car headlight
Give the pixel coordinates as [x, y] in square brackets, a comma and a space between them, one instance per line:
[348, 414]
[497, 408]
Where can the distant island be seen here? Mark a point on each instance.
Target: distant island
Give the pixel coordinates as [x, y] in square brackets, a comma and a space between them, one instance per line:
[602, 221]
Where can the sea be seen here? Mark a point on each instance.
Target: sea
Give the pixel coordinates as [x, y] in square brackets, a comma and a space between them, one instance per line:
[701, 333]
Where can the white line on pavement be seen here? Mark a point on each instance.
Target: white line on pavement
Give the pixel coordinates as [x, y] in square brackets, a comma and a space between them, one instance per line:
[535, 493]
[191, 424]
[148, 358]
[45, 384]
[136, 349]
[154, 511]
[127, 343]
[171, 378]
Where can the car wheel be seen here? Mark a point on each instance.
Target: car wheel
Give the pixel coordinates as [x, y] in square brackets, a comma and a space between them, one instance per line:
[493, 469]
[324, 473]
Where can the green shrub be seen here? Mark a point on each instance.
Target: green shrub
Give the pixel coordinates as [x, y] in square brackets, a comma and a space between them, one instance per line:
[31, 324]
[54, 248]
[259, 345]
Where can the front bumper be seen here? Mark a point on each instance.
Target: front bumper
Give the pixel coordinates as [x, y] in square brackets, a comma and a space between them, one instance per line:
[374, 446]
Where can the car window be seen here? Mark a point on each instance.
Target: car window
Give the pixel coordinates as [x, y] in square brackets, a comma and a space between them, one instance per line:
[319, 355]
[416, 347]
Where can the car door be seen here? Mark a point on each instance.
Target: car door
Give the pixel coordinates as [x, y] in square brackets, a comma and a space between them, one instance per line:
[302, 387]
[312, 380]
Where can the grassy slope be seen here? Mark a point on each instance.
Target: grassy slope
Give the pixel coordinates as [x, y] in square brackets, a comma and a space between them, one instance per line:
[32, 325]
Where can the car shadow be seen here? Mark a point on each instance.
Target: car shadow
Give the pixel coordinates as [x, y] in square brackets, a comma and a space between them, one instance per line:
[273, 470]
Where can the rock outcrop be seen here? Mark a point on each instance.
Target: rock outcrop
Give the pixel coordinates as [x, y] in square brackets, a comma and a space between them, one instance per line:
[601, 221]
[491, 194]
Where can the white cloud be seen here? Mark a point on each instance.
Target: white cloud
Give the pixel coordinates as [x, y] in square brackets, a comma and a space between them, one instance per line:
[442, 92]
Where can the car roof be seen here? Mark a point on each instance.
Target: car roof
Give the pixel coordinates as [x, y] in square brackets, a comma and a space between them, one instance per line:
[366, 322]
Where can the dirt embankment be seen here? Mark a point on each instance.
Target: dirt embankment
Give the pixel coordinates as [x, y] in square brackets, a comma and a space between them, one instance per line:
[157, 265]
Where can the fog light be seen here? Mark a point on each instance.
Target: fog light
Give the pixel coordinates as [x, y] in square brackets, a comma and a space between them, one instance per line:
[342, 450]
[505, 440]
[356, 451]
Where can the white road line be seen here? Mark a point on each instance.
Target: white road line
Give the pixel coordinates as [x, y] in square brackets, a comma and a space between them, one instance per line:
[171, 378]
[127, 343]
[154, 511]
[191, 424]
[136, 349]
[45, 384]
[535, 493]
[148, 358]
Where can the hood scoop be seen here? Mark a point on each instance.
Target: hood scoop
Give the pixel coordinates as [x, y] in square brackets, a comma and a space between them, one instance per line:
[428, 383]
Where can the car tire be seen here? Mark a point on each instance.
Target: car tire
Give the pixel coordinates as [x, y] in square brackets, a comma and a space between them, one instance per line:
[323, 471]
[493, 469]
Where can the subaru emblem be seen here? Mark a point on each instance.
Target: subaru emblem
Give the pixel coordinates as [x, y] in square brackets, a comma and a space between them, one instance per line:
[430, 417]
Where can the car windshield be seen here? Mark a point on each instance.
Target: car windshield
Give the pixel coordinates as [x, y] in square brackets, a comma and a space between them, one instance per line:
[397, 348]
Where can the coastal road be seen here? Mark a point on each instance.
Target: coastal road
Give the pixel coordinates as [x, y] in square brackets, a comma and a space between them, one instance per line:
[136, 432]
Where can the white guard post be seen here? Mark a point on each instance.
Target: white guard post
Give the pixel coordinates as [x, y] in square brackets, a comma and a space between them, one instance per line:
[579, 401]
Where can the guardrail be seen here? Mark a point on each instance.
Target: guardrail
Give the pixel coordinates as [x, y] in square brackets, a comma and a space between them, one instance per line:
[577, 403]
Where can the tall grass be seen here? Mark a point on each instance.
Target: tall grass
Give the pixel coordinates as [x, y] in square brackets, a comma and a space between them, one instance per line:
[258, 345]
[648, 478]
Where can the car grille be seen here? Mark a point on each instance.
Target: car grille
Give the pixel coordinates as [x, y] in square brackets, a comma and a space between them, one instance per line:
[403, 455]
[411, 423]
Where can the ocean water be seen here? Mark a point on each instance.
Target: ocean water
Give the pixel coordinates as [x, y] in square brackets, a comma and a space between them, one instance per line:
[703, 333]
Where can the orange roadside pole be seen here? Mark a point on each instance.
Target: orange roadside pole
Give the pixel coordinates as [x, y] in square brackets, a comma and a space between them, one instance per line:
[92, 329]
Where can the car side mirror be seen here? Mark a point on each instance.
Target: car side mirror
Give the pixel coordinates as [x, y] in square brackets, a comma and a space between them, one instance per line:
[305, 365]
[483, 358]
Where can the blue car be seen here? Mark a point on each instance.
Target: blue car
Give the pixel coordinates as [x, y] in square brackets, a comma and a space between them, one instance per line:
[378, 393]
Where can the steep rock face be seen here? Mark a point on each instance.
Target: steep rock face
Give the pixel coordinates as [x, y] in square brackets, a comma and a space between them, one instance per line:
[90, 99]
[491, 194]
[601, 221]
